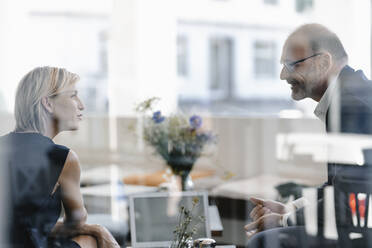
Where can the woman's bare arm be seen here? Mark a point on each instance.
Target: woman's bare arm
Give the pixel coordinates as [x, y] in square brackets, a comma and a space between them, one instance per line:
[75, 212]
[72, 200]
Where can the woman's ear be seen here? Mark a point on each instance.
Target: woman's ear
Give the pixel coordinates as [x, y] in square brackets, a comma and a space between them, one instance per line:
[47, 104]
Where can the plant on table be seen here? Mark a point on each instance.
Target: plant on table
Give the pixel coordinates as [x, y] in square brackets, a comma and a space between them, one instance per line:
[183, 232]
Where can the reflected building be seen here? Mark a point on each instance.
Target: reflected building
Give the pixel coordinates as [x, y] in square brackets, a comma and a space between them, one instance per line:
[230, 51]
[232, 57]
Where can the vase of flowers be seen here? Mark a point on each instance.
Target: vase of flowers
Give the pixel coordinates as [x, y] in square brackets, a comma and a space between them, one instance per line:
[178, 139]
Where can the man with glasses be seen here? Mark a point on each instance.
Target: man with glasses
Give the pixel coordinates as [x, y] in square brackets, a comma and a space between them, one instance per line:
[315, 66]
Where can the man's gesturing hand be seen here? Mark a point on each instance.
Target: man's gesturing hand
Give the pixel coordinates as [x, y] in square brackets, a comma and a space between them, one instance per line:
[264, 207]
[266, 214]
[265, 222]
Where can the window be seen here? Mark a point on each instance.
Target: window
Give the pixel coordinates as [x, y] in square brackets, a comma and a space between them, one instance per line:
[79, 42]
[94, 81]
[273, 2]
[303, 5]
[182, 56]
[265, 59]
[221, 79]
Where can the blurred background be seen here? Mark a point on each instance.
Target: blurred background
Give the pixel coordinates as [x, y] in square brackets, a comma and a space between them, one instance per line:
[216, 58]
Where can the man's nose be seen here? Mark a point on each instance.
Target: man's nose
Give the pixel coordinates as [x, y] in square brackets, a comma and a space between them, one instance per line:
[284, 73]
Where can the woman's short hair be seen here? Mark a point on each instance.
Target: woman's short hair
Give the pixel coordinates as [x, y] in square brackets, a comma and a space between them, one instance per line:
[30, 114]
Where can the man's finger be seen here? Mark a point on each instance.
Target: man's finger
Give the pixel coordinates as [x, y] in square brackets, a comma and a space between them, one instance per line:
[257, 201]
[260, 225]
[251, 226]
[261, 212]
[267, 210]
[255, 210]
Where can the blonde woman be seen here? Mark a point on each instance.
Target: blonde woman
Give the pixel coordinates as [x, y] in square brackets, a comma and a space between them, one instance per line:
[43, 174]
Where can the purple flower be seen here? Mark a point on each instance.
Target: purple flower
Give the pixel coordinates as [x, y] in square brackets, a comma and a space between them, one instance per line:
[157, 117]
[196, 121]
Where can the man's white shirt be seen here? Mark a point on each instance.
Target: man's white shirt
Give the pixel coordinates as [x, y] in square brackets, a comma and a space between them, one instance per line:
[331, 94]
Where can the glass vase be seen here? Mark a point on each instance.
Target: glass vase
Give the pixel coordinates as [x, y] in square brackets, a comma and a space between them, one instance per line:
[182, 167]
[186, 181]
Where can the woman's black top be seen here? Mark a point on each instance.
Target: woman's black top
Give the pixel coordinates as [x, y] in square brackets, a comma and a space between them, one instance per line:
[33, 164]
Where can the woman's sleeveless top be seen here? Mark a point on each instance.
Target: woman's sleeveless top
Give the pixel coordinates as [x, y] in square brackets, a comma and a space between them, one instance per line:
[33, 164]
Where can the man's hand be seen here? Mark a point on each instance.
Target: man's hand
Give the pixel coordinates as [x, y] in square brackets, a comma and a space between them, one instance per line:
[267, 221]
[264, 207]
[266, 214]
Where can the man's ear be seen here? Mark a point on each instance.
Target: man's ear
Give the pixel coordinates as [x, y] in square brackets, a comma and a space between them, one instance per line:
[47, 104]
[326, 62]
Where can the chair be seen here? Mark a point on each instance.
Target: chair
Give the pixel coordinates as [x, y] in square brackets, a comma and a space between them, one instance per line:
[352, 213]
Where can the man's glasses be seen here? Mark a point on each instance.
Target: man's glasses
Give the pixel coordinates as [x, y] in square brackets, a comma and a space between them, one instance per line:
[291, 66]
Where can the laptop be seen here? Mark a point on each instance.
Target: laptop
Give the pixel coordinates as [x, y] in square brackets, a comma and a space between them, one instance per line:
[154, 217]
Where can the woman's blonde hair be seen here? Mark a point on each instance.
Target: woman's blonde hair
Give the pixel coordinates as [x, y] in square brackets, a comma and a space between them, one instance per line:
[30, 114]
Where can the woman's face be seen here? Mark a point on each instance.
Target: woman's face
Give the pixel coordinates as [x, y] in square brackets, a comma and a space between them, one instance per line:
[67, 109]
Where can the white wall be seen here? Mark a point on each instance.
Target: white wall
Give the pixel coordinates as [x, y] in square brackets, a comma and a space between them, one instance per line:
[237, 12]
[351, 21]
[4, 26]
[54, 33]
[142, 54]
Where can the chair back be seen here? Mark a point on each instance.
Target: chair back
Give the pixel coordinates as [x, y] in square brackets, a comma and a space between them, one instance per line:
[352, 206]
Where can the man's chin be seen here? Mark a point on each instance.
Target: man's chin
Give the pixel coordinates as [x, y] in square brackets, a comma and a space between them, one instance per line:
[297, 96]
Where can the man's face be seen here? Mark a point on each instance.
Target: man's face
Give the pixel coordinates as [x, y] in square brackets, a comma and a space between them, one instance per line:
[302, 75]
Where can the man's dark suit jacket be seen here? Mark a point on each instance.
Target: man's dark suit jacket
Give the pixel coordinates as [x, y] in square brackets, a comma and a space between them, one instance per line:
[355, 110]
[355, 116]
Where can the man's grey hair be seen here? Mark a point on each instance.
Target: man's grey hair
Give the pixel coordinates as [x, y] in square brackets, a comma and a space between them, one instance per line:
[322, 39]
[30, 114]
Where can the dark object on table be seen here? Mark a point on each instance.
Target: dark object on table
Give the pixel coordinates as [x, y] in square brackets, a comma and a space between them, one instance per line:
[204, 242]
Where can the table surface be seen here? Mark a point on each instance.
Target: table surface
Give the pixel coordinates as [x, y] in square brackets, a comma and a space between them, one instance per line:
[111, 187]
[106, 174]
[116, 189]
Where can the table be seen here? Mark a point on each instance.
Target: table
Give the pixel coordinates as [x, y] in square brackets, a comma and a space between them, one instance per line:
[107, 205]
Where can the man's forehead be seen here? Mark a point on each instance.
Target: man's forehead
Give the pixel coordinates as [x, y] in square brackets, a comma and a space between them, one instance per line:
[296, 47]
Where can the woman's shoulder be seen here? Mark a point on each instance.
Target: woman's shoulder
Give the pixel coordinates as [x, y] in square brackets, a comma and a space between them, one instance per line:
[58, 153]
[33, 143]
[61, 148]
[72, 157]
[71, 168]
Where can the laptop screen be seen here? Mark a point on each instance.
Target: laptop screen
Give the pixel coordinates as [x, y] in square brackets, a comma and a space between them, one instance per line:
[154, 217]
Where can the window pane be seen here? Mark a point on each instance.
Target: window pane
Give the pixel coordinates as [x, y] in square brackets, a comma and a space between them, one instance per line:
[229, 112]
[221, 80]
[303, 5]
[265, 59]
[182, 56]
[274, 2]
